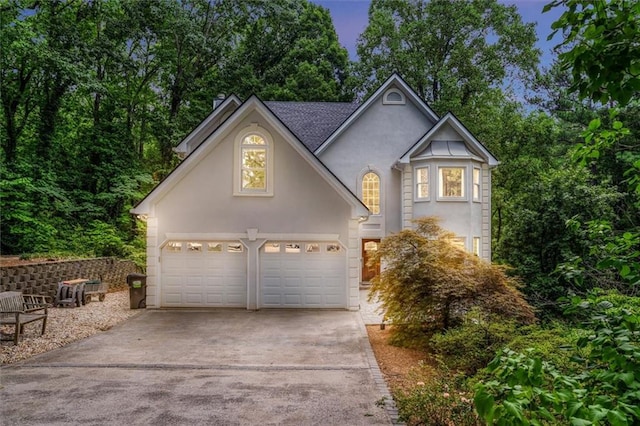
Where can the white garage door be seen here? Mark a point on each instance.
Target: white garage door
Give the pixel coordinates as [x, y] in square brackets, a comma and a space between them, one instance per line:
[303, 275]
[204, 274]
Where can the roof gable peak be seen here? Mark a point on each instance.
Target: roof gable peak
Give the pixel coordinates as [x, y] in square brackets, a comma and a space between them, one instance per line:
[394, 81]
[450, 119]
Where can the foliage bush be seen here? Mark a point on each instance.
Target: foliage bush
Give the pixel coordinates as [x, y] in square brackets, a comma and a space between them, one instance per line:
[552, 343]
[603, 389]
[439, 402]
[472, 345]
[429, 283]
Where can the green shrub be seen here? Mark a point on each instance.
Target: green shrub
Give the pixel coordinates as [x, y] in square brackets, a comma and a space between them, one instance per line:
[440, 402]
[472, 345]
[617, 300]
[603, 389]
[553, 344]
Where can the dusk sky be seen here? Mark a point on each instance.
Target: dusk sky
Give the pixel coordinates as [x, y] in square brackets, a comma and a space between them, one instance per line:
[350, 20]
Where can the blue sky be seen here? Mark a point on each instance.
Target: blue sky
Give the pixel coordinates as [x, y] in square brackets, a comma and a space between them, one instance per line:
[350, 19]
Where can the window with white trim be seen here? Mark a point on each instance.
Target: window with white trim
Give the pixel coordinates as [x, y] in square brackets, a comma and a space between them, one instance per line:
[312, 248]
[253, 159]
[477, 176]
[272, 248]
[451, 182]
[194, 247]
[254, 162]
[476, 246]
[371, 192]
[422, 183]
[393, 97]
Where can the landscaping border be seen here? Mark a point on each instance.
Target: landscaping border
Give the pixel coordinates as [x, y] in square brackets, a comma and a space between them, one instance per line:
[43, 277]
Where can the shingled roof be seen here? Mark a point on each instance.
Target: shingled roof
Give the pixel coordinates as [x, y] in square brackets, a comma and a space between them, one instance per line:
[312, 122]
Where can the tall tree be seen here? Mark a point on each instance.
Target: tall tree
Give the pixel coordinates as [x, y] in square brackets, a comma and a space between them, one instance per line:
[603, 41]
[603, 54]
[451, 52]
[288, 50]
[195, 37]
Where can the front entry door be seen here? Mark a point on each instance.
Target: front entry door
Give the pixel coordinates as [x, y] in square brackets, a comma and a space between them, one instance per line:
[369, 248]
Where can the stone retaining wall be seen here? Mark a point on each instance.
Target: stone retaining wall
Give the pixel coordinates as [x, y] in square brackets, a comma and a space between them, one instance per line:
[43, 278]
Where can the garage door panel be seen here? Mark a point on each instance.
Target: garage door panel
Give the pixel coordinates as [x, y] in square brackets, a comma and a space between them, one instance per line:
[313, 300]
[212, 298]
[193, 297]
[204, 274]
[311, 278]
[173, 297]
[292, 299]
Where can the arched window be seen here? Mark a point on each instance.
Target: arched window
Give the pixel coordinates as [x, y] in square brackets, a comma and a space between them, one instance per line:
[371, 192]
[254, 161]
[393, 97]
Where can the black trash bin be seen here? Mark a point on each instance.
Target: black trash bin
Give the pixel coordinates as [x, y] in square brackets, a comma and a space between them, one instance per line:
[137, 290]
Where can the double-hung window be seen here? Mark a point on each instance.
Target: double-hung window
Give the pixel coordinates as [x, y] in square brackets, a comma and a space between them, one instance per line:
[476, 184]
[422, 183]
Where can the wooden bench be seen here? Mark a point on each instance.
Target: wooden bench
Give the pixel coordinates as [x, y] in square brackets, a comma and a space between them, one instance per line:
[18, 309]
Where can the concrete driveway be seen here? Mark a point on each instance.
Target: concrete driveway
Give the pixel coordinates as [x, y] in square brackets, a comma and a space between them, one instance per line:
[222, 367]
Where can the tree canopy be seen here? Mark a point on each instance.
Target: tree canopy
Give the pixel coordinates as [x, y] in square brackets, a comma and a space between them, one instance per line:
[452, 53]
[95, 95]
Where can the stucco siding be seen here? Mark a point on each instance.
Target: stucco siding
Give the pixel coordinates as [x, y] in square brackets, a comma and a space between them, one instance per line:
[203, 201]
[375, 141]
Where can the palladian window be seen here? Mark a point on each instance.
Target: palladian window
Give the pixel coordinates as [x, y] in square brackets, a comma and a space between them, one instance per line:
[371, 192]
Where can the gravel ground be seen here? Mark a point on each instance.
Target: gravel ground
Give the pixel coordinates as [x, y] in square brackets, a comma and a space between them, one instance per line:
[66, 325]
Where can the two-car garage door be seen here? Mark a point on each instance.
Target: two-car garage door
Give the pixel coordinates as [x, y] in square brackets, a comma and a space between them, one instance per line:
[292, 274]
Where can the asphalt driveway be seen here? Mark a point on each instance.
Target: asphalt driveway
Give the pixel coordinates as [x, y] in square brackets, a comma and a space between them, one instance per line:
[222, 367]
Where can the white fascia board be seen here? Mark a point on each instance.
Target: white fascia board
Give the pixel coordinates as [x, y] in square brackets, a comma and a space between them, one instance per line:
[394, 79]
[476, 145]
[357, 208]
[197, 132]
[181, 170]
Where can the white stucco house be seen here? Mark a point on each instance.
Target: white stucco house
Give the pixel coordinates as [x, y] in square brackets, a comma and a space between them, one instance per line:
[279, 204]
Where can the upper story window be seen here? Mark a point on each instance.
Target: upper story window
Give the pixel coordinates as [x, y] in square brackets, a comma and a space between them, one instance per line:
[371, 192]
[451, 182]
[476, 184]
[422, 183]
[254, 162]
[393, 97]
